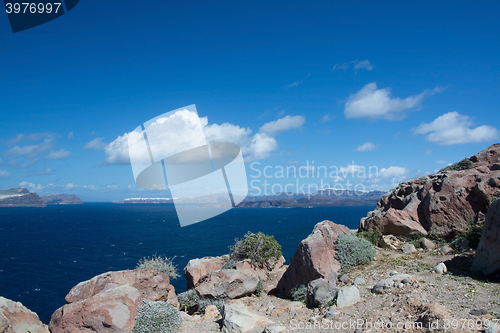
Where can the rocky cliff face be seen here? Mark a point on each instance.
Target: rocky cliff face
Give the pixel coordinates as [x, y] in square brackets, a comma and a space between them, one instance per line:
[443, 204]
[61, 199]
[20, 197]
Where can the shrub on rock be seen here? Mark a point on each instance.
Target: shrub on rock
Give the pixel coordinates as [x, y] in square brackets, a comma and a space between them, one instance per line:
[353, 251]
[160, 264]
[263, 250]
[158, 317]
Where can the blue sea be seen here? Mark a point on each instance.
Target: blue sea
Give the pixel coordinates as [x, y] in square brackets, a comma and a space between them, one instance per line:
[44, 252]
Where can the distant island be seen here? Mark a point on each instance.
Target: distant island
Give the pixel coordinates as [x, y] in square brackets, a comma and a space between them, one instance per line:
[322, 198]
[21, 197]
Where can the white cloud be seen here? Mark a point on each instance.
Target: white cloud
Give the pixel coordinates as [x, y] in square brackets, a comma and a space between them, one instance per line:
[374, 103]
[260, 148]
[429, 152]
[283, 124]
[71, 135]
[58, 155]
[95, 144]
[294, 84]
[31, 150]
[440, 162]
[394, 172]
[5, 174]
[326, 118]
[367, 146]
[31, 186]
[42, 172]
[453, 128]
[363, 64]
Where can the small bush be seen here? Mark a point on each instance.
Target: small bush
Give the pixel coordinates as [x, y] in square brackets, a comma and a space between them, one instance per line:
[352, 251]
[158, 317]
[263, 250]
[260, 288]
[372, 237]
[462, 165]
[204, 302]
[188, 299]
[160, 264]
[299, 293]
[472, 234]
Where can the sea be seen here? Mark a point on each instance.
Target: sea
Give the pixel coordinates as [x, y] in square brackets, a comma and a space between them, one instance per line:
[44, 252]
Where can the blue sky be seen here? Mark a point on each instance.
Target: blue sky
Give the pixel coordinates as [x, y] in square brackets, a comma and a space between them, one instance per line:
[407, 87]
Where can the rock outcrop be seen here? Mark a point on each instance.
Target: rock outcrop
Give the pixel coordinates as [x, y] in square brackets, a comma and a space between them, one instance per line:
[16, 318]
[228, 283]
[61, 199]
[236, 318]
[198, 269]
[444, 203]
[487, 259]
[20, 197]
[314, 258]
[109, 302]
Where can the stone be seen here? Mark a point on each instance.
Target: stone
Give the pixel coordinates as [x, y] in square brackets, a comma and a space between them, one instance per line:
[405, 281]
[487, 259]
[198, 269]
[314, 258]
[263, 273]
[408, 248]
[394, 273]
[324, 293]
[463, 245]
[400, 285]
[211, 311]
[109, 302]
[479, 312]
[389, 242]
[16, 318]
[492, 327]
[446, 250]
[427, 244]
[274, 329]
[384, 285]
[332, 313]
[439, 268]
[359, 281]
[344, 278]
[444, 202]
[228, 283]
[347, 296]
[237, 318]
[285, 308]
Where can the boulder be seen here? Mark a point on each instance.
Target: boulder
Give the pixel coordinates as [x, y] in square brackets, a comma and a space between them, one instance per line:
[389, 242]
[446, 249]
[439, 268]
[263, 273]
[228, 283]
[442, 203]
[16, 318]
[198, 269]
[384, 285]
[211, 311]
[358, 281]
[109, 302]
[274, 329]
[237, 318]
[487, 259]
[314, 258]
[427, 244]
[347, 296]
[323, 293]
[408, 248]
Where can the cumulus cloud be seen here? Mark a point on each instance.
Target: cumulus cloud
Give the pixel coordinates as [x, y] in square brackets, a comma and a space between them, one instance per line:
[5, 174]
[394, 172]
[95, 144]
[367, 146]
[453, 128]
[374, 103]
[283, 124]
[58, 155]
[363, 64]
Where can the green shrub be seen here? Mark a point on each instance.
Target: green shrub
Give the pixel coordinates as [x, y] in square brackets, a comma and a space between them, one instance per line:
[188, 299]
[260, 288]
[263, 250]
[157, 317]
[472, 234]
[352, 251]
[204, 302]
[160, 264]
[299, 293]
[462, 165]
[372, 237]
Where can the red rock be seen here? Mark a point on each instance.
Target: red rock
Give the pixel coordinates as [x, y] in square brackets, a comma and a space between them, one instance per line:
[108, 302]
[487, 259]
[198, 269]
[15, 317]
[443, 204]
[260, 272]
[314, 258]
[228, 283]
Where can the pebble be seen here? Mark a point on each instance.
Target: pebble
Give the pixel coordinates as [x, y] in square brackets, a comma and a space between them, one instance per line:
[359, 281]
[405, 281]
[479, 312]
[332, 313]
[393, 273]
[400, 285]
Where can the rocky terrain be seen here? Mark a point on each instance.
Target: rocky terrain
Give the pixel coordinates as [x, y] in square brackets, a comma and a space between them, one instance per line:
[425, 274]
[61, 199]
[20, 197]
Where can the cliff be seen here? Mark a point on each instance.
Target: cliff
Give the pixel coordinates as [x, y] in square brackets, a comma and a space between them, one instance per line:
[20, 197]
[61, 199]
[443, 204]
